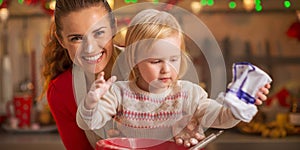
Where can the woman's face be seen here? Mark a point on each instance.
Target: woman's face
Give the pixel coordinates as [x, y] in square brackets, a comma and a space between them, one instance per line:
[87, 36]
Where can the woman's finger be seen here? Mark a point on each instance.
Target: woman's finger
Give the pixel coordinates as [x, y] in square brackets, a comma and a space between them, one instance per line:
[261, 96]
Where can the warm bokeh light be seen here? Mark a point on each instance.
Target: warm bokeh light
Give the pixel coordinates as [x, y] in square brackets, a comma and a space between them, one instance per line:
[287, 4]
[196, 7]
[248, 4]
[52, 5]
[4, 14]
[111, 3]
[232, 4]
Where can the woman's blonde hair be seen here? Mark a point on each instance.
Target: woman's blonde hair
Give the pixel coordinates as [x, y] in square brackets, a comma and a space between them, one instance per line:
[56, 59]
[151, 24]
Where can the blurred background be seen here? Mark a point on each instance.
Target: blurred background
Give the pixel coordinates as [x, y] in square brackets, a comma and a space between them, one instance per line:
[263, 32]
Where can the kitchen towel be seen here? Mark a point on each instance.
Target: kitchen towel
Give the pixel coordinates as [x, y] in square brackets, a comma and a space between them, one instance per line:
[241, 92]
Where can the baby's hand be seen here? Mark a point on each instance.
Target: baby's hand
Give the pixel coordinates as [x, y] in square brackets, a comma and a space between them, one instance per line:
[190, 135]
[98, 89]
[262, 94]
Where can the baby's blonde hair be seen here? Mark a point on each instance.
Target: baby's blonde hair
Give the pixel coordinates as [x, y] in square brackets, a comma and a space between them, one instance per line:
[152, 24]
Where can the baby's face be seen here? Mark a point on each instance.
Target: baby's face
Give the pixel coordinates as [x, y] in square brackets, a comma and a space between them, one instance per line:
[159, 66]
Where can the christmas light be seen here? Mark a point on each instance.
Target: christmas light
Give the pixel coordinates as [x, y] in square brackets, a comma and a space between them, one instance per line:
[1, 1]
[130, 1]
[111, 3]
[196, 7]
[248, 4]
[258, 6]
[155, 1]
[52, 5]
[287, 4]
[4, 13]
[232, 4]
[210, 2]
[203, 2]
[20, 1]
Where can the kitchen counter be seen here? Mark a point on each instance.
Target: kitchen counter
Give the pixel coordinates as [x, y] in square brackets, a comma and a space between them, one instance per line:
[234, 140]
[30, 141]
[229, 140]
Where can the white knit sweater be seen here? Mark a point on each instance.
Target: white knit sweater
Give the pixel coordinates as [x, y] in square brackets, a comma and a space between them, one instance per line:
[142, 114]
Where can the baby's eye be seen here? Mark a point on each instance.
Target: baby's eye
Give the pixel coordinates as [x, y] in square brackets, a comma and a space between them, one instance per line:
[174, 59]
[155, 61]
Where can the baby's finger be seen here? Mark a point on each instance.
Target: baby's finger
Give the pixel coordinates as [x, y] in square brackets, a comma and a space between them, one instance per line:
[100, 76]
[179, 141]
[199, 136]
[100, 79]
[193, 141]
[187, 143]
[111, 79]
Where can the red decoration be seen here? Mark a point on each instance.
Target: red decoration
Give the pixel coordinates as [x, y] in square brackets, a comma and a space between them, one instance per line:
[294, 30]
[44, 4]
[124, 21]
[4, 4]
[281, 96]
[31, 2]
[170, 4]
[22, 108]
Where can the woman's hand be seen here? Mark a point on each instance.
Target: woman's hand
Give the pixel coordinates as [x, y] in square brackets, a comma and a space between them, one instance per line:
[262, 94]
[98, 89]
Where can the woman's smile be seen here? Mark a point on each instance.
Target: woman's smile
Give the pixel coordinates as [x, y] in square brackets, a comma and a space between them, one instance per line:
[94, 58]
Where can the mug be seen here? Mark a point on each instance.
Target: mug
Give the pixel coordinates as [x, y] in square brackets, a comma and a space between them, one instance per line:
[21, 109]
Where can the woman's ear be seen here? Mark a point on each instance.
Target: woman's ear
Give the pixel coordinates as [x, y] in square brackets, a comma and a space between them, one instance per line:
[59, 40]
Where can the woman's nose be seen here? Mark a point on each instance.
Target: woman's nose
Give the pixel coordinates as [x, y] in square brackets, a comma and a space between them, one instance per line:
[89, 45]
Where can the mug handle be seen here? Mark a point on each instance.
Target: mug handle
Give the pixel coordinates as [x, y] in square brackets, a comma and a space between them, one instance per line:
[10, 109]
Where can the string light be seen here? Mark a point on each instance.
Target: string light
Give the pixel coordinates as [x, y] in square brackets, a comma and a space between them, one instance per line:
[258, 6]
[4, 13]
[287, 4]
[207, 2]
[210, 2]
[130, 1]
[52, 5]
[155, 1]
[248, 4]
[196, 7]
[20, 1]
[203, 2]
[111, 3]
[232, 4]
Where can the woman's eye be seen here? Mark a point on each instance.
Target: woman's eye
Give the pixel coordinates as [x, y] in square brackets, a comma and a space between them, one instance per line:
[99, 34]
[76, 39]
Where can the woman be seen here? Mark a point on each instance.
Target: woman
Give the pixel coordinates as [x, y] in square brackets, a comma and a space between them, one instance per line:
[73, 19]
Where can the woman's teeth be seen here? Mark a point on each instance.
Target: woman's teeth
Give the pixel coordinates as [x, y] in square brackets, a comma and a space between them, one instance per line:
[92, 58]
